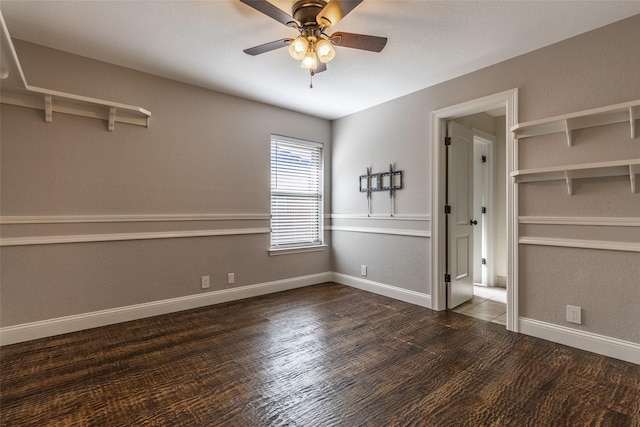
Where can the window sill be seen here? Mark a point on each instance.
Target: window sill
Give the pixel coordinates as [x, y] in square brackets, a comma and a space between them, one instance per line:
[296, 250]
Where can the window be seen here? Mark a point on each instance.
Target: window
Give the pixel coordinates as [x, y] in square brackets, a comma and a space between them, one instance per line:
[296, 193]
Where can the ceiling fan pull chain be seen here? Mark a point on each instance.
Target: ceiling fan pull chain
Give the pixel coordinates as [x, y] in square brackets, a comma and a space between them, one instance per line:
[311, 80]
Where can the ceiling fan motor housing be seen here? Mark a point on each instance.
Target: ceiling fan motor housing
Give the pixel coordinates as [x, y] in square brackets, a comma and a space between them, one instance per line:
[305, 11]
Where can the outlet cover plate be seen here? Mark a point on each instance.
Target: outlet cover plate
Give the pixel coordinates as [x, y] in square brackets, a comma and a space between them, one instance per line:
[574, 314]
[205, 282]
[231, 278]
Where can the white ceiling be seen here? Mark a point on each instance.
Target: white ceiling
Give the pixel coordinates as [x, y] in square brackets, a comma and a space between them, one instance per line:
[201, 42]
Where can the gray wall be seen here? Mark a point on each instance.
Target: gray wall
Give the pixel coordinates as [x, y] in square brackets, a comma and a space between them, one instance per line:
[592, 70]
[204, 153]
[207, 153]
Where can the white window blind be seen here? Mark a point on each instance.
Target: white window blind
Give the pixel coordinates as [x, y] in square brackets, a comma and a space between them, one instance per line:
[296, 193]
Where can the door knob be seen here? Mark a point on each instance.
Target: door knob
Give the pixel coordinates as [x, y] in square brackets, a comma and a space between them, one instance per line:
[473, 222]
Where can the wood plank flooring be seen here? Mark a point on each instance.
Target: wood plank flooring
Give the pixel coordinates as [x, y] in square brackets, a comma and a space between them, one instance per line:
[325, 355]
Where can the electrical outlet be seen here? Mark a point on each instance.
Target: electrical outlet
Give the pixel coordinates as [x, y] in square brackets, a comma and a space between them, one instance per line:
[363, 270]
[205, 282]
[231, 278]
[574, 314]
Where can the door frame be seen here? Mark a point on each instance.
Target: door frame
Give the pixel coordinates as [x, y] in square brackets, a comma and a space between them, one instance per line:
[509, 100]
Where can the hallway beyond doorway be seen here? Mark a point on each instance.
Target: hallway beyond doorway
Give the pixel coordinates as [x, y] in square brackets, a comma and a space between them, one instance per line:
[488, 303]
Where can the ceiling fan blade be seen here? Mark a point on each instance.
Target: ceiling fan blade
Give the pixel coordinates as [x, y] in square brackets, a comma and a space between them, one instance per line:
[267, 47]
[271, 11]
[335, 10]
[359, 41]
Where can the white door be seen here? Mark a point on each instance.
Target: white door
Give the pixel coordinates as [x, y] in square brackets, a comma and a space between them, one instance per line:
[460, 219]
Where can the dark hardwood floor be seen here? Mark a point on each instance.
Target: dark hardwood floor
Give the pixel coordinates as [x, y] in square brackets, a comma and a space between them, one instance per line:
[317, 356]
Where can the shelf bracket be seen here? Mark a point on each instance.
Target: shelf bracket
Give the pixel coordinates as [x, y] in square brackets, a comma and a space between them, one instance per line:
[634, 114]
[112, 118]
[634, 170]
[568, 175]
[568, 126]
[48, 109]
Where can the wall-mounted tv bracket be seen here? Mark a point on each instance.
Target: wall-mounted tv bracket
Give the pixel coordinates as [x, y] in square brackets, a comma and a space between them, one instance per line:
[382, 181]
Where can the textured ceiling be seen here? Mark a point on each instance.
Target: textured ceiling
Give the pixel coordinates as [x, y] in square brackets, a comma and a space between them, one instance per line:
[201, 42]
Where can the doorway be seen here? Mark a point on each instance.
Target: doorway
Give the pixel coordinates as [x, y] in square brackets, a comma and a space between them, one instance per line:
[450, 268]
[485, 133]
[469, 147]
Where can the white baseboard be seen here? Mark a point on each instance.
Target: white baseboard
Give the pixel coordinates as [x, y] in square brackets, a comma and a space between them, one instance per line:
[405, 295]
[600, 344]
[63, 325]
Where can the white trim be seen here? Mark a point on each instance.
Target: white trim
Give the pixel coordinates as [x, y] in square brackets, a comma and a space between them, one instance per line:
[568, 220]
[567, 123]
[581, 243]
[600, 344]
[488, 137]
[569, 173]
[59, 219]
[297, 250]
[412, 297]
[405, 217]
[391, 231]
[297, 141]
[83, 238]
[63, 325]
[509, 100]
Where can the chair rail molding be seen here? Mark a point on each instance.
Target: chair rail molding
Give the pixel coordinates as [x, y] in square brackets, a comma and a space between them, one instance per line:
[374, 230]
[568, 220]
[112, 237]
[402, 217]
[67, 219]
[581, 243]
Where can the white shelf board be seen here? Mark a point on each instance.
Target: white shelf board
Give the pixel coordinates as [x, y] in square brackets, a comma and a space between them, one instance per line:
[619, 113]
[568, 173]
[14, 90]
[51, 101]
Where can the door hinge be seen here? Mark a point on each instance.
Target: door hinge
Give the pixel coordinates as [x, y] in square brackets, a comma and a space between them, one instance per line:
[484, 210]
[484, 261]
[484, 159]
[447, 278]
[447, 209]
[447, 140]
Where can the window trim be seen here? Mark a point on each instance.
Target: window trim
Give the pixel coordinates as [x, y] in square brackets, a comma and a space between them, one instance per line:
[299, 247]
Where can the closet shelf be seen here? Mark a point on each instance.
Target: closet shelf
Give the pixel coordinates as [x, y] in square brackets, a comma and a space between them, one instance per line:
[619, 113]
[16, 91]
[568, 173]
[51, 101]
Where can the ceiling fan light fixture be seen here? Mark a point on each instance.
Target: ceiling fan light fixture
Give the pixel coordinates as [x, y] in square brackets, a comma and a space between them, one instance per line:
[298, 48]
[325, 50]
[310, 60]
[314, 48]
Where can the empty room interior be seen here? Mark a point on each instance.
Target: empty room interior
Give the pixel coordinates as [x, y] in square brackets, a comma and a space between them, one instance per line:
[320, 213]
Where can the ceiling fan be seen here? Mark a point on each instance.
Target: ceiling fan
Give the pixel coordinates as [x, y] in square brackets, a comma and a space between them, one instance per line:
[314, 47]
